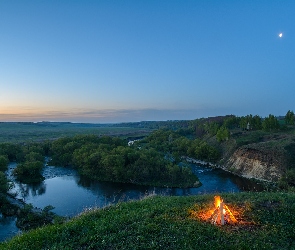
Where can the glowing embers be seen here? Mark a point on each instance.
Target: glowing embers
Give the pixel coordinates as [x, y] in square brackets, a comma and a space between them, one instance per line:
[233, 216]
[222, 214]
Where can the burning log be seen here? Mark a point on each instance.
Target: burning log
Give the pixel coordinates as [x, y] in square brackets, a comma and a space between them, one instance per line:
[222, 214]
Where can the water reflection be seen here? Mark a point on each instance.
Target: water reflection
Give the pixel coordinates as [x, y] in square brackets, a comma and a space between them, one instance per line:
[246, 185]
[26, 190]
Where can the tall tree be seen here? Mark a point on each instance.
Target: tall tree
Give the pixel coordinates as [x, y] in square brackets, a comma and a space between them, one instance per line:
[256, 122]
[231, 122]
[3, 183]
[290, 118]
[3, 162]
[270, 123]
[222, 134]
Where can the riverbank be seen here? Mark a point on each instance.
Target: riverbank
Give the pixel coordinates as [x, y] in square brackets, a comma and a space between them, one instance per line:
[200, 162]
[28, 216]
[19, 203]
[269, 184]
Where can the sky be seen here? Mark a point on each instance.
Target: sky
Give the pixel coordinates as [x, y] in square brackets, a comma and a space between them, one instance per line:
[127, 61]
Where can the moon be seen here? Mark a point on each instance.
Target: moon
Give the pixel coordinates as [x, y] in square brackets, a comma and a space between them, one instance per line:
[281, 35]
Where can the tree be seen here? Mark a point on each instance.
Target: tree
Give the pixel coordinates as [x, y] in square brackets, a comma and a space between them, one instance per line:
[3, 162]
[256, 122]
[11, 150]
[231, 122]
[29, 172]
[222, 134]
[33, 156]
[206, 152]
[290, 118]
[211, 128]
[253, 121]
[243, 122]
[3, 183]
[270, 123]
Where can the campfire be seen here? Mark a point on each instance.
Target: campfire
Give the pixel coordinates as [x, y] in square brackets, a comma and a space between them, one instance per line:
[222, 214]
[219, 214]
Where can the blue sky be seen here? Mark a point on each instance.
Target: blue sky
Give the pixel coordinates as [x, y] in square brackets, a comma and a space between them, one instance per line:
[118, 61]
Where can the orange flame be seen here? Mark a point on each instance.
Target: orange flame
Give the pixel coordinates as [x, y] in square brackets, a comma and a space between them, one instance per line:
[217, 201]
[222, 213]
[232, 217]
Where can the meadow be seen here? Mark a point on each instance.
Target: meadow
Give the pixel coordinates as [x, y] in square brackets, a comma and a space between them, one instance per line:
[18, 132]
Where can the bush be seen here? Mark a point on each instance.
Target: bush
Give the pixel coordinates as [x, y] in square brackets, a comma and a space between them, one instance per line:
[29, 172]
[3, 162]
[4, 186]
[222, 134]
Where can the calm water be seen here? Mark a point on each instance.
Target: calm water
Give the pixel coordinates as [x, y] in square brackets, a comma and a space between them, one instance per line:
[71, 195]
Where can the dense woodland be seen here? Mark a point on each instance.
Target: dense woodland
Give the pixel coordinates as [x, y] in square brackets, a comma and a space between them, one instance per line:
[111, 159]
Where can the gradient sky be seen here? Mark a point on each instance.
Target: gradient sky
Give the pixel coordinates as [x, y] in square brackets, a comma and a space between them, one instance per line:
[118, 61]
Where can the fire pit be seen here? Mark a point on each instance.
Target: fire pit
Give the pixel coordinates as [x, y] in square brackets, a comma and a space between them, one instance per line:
[218, 214]
[222, 214]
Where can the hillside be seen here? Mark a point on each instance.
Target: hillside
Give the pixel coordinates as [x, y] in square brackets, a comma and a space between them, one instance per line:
[265, 221]
[261, 155]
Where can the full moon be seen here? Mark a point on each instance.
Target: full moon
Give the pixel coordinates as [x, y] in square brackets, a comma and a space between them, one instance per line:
[281, 35]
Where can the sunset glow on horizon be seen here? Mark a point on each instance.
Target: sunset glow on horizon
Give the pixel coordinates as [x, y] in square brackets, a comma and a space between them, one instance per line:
[101, 61]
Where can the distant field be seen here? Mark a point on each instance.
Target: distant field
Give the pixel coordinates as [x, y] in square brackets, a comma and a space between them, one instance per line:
[23, 132]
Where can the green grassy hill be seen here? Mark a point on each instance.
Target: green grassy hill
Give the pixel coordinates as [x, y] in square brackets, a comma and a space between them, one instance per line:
[266, 221]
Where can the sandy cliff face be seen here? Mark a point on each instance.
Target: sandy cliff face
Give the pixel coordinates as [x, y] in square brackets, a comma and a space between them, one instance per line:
[256, 163]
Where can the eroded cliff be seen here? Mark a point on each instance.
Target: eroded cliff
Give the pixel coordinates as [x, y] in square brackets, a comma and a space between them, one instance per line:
[257, 162]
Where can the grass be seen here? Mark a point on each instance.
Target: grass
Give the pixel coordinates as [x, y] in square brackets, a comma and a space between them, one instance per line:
[256, 136]
[266, 222]
[23, 132]
[248, 137]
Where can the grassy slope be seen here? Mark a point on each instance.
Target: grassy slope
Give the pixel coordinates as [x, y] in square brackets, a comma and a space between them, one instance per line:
[170, 223]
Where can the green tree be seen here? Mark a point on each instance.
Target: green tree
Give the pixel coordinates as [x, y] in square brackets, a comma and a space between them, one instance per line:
[270, 123]
[3, 162]
[181, 145]
[211, 128]
[34, 156]
[222, 134]
[243, 122]
[29, 172]
[290, 118]
[3, 183]
[256, 122]
[11, 150]
[206, 152]
[231, 122]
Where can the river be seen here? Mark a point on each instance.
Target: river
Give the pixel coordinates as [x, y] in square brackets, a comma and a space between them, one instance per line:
[70, 194]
